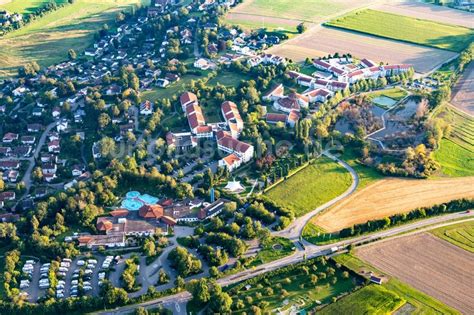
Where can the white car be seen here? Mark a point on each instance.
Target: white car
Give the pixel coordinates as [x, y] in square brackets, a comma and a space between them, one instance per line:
[63, 269]
[30, 262]
[75, 282]
[88, 272]
[24, 286]
[92, 261]
[67, 260]
[60, 287]
[81, 262]
[86, 284]
[59, 295]
[87, 288]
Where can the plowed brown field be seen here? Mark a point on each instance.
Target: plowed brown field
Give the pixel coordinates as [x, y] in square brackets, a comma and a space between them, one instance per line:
[430, 265]
[392, 196]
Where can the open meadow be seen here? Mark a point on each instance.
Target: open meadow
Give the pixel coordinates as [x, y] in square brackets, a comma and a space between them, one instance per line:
[311, 187]
[48, 39]
[321, 41]
[407, 29]
[429, 264]
[391, 196]
[461, 235]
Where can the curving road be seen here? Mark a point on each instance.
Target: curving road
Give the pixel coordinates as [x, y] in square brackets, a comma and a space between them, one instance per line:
[312, 251]
[295, 229]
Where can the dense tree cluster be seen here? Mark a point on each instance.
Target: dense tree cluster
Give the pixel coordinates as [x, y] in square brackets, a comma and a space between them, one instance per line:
[185, 263]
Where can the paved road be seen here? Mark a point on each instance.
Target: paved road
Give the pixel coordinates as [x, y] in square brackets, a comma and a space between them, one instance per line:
[295, 229]
[309, 252]
[27, 177]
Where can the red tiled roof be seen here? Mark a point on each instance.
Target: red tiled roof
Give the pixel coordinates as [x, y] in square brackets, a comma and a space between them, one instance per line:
[276, 117]
[187, 97]
[151, 211]
[234, 144]
[119, 213]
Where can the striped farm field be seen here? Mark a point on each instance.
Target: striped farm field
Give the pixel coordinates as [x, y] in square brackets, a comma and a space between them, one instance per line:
[407, 29]
[461, 235]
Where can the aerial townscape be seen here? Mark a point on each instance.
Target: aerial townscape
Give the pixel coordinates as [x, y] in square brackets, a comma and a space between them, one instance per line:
[236, 157]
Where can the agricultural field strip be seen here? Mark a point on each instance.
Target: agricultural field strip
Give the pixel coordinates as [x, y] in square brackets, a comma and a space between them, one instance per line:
[461, 235]
[463, 92]
[429, 264]
[392, 196]
[321, 41]
[406, 29]
[427, 11]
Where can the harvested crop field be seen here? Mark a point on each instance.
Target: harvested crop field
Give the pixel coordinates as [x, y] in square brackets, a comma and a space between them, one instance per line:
[392, 196]
[429, 264]
[463, 92]
[321, 41]
[420, 10]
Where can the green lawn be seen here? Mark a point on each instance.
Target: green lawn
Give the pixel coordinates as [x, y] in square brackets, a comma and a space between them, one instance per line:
[393, 93]
[48, 39]
[27, 6]
[461, 235]
[423, 304]
[367, 175]
[273, 249]
[299, 290]
[455, 160]
[312, 187]
[408, 29]
[228, 78]
[372, 299]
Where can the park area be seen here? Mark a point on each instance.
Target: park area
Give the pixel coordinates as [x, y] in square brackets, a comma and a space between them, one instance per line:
[293, 289]
[391, 196]
[311, 187]
[461, 235]
[48, 39]
[429, 264]
[407, 29]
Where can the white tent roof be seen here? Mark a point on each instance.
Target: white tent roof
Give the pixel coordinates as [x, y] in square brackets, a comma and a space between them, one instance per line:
[234, 186]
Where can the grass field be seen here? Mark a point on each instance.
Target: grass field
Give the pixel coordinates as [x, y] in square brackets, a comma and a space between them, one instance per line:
[313, 186]
[367, 175]
[27, 6]
[372, 299]
[455, 160]
[48, 39]
[393, 93]
[273, 249]
[422, 303]
[408, 29]
[461, 235]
